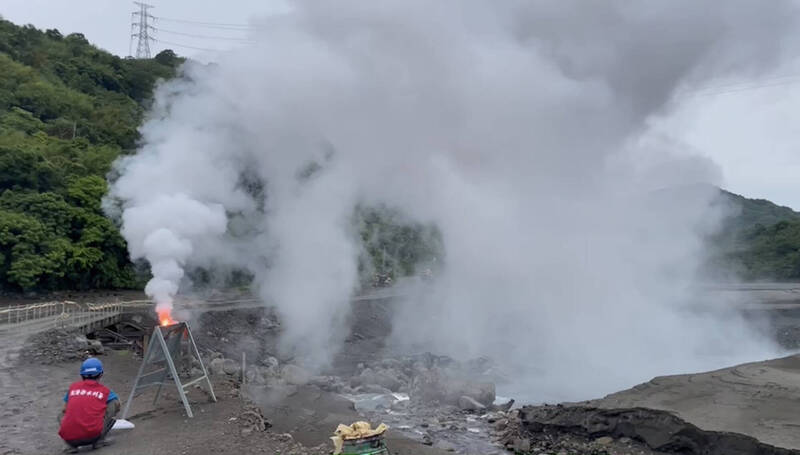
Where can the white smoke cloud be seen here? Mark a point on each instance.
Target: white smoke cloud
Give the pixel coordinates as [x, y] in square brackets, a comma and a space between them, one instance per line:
[165, 230]
[519, 128]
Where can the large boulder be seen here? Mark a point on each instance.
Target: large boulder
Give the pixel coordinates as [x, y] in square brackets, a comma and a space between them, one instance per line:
[231, 367]
[95, 347]
[270, 362]
[79, 342]
[215, 366]
[382, 378]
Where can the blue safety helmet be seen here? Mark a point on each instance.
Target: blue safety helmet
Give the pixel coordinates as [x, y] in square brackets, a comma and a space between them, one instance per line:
[91, 367]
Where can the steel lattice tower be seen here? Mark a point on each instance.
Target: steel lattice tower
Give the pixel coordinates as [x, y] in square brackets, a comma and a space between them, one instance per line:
[144, 28]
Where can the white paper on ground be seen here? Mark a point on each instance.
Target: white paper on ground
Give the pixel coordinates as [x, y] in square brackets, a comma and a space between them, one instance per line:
[122, 424]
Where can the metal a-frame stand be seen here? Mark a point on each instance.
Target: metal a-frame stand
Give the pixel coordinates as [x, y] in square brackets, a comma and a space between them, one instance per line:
[162, 352]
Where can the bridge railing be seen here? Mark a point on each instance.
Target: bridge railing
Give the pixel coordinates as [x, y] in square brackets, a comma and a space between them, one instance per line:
[21, 314]
[76, 315]
[62, 314]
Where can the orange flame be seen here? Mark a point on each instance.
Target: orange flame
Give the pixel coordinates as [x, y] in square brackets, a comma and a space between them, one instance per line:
[165, 317]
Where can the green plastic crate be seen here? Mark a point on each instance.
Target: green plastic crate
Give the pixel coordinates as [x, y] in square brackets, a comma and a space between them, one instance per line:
[367, 446]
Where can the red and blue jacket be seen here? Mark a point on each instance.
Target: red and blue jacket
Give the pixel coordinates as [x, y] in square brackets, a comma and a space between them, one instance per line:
[86, 403]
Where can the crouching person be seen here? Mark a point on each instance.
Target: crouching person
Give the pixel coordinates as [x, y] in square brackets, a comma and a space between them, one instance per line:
[89, 408]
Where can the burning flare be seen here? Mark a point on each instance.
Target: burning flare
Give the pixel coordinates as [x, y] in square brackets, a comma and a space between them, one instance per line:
[165, 317]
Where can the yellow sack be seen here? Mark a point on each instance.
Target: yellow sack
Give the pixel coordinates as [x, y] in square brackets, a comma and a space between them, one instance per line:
[357, 430]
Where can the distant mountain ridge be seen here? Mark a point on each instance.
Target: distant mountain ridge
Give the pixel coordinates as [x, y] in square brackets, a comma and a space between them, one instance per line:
[752, 212]
[759, 240]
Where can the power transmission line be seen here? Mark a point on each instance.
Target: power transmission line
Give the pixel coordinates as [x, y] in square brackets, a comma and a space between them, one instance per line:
[143, 35]
[205, 24]
[185, 45]
[742, 87]
[192, 35]
[144, 31]
[143, 48]
[767, 80]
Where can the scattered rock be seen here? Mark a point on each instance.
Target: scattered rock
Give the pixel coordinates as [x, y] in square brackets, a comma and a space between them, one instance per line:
[95, 346]
[505, 407]
[215, 366]
[327, 383]
[270, 362]
[604, 441]
[436, 385]
[427, 439]
[54, 346]
[466, 403]
[231, 367]
[445, 445]
[501, 425]
[522, 445]
[380, 378]
[253, 420]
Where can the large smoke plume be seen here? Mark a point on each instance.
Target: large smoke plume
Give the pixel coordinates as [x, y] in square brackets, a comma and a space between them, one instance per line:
[572, 234]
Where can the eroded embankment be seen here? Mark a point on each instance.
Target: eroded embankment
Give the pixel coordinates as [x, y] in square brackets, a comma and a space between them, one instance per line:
[660, 431]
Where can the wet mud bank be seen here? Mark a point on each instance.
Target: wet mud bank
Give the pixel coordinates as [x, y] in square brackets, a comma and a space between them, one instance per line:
[659, 431]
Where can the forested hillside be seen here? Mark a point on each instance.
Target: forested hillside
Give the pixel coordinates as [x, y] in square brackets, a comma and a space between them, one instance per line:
[760, 240]
[748, 213]
[67, 110]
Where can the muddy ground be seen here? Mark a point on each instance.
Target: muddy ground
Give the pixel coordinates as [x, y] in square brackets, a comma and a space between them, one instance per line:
[676, 414]
[626, 431]
[366, 371]
[759, 399]
[29, 422]
[36, 372]
[32, 400]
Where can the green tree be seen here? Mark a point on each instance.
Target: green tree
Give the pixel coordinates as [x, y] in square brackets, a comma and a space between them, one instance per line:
[26, 169]
[67, 111]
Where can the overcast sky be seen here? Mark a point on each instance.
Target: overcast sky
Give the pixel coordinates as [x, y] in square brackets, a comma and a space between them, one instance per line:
[752, 133]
